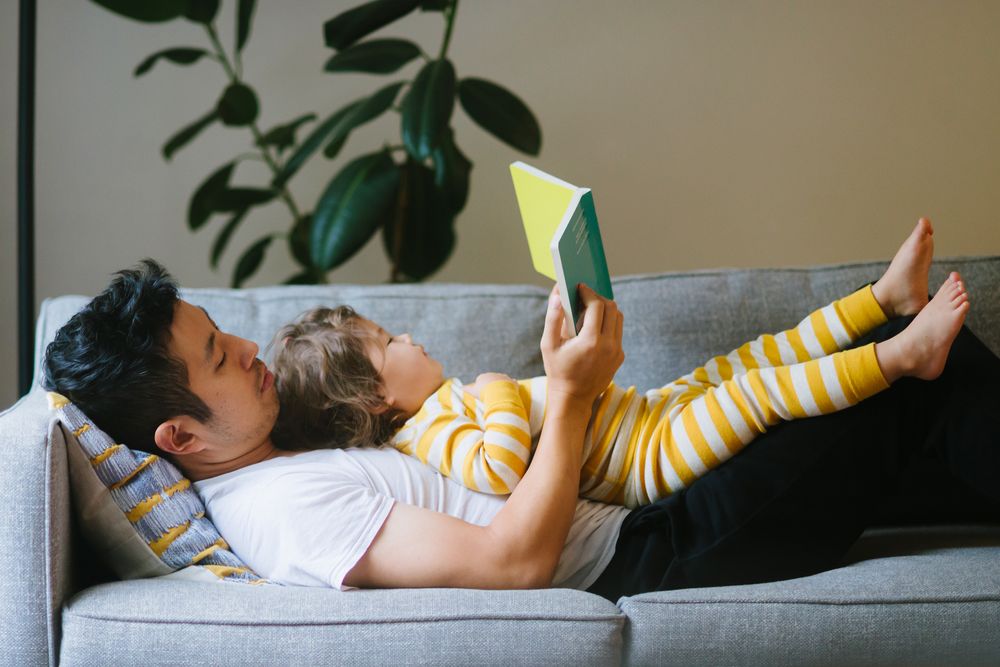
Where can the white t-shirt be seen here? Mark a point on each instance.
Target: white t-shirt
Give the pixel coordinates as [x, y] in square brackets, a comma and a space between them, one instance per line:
[308, 519]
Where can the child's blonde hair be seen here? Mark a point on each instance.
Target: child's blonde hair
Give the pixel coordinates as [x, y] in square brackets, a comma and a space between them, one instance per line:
[329, 391]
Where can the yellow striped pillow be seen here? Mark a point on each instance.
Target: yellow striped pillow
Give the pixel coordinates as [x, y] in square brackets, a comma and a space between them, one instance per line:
[137, 510]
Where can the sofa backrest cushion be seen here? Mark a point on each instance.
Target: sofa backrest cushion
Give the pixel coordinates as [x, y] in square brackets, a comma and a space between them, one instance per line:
[674, 322]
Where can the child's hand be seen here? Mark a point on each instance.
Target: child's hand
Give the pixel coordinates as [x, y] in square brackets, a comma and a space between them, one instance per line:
[483, 380]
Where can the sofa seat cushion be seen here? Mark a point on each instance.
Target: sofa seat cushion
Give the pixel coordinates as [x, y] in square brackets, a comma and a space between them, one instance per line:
[167, 621]
[907, 596]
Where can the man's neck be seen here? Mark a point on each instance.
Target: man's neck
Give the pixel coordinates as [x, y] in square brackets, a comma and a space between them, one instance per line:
[196, 467]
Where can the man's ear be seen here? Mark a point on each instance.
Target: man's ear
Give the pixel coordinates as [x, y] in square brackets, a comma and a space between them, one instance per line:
[177, 436]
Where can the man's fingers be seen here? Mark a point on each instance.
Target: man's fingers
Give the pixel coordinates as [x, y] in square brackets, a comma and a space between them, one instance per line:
[610, 318]
[587, 295]
[553, 321]
[593, 313]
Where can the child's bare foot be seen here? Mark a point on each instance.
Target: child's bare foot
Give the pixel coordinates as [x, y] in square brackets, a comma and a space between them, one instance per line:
[921, 349]
[902, 290]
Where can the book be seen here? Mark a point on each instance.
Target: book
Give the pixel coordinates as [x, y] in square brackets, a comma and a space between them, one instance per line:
[564, 238]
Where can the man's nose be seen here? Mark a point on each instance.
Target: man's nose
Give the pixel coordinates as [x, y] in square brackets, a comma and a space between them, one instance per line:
[248, 352]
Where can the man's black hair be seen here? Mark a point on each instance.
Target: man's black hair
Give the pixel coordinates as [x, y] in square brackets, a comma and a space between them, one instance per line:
[111, 359]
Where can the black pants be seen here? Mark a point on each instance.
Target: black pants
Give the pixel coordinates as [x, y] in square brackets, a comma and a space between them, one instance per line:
[794, 501]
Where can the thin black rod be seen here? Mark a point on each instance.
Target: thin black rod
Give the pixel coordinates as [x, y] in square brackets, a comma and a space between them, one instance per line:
[26, 195]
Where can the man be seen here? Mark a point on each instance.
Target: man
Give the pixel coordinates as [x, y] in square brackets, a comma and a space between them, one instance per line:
[141, 362]
[148, 367]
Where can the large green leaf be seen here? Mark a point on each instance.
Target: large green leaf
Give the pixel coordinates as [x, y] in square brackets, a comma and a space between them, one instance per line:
[180, 55]
[203, 201]
[420, 236]
[244, 16]
[352, 208]
[311, 143]
[302, 278]
[378, 56]
[201, 11]
[222, 240]
[235, 199]
[348, 27]
[451, 172]
[427, 108]
[367, 109]
[188, 133]
[298, 241]
[147, 11]
[250, 260]
[501, 113]
[283, 136]
[435, 5]
[238, 105]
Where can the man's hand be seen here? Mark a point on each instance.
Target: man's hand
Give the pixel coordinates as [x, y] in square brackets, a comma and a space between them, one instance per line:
[581, 367]
[483, 380]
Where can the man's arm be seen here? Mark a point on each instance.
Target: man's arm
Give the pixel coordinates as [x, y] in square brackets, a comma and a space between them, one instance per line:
[520, 548]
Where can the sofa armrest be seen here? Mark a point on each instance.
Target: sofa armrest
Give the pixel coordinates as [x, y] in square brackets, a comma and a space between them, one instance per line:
[35, 531]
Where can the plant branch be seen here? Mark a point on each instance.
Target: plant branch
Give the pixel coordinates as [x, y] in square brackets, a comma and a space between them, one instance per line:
[258, 136]
[449, 15]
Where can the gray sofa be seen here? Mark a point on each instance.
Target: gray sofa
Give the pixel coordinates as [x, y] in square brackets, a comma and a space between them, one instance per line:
[914, 595]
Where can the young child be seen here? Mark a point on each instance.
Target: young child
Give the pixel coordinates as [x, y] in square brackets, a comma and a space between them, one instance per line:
[343, 381]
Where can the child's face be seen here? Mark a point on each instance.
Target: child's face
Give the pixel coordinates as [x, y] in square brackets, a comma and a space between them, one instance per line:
[409, 375]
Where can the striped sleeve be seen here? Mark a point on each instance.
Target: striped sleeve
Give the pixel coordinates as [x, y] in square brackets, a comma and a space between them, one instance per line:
[490, 457]
[533, 396]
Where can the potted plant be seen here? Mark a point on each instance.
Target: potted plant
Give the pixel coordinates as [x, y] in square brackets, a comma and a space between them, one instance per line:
[409, 192]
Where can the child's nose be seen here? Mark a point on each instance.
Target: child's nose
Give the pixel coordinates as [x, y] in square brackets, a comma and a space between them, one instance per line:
[407, 339]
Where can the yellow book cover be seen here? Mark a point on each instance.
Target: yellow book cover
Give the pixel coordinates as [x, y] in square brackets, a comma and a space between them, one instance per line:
[543, 200]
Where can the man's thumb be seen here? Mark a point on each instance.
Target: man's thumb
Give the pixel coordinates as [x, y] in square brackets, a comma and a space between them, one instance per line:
[553, 318]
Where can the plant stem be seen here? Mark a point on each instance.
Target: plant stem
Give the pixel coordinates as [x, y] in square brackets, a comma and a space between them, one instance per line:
[449, 15]
[285, 195]
[402, 202]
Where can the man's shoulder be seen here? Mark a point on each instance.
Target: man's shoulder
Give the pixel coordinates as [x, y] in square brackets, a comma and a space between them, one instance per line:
[286, 481]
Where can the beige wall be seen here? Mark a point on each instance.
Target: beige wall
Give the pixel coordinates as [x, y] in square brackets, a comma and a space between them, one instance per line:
[713, 133]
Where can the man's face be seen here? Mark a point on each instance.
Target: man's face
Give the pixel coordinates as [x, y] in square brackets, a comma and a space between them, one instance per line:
[225, 373]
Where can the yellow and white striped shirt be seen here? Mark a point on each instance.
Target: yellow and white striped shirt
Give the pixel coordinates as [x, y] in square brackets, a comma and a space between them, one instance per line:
[642, 447]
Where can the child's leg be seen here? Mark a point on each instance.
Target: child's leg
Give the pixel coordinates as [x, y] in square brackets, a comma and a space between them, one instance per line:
[901, 291]
[826, 330]
[681, 441]
[793, 503]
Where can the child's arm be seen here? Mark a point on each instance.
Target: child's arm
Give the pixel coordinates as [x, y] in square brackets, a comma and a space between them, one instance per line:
[491, 457]
[825, 331]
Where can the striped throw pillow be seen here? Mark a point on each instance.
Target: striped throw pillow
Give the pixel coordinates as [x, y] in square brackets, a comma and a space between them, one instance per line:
[137, 510]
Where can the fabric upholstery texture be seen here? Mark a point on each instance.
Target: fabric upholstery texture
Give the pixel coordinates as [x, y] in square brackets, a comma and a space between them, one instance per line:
[936, 601]
[904, 596]
[286, 625]
[35, 544]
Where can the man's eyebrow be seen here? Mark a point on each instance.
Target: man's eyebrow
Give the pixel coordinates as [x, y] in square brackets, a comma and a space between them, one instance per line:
[209, 317]
[210, 345]
[209, 348]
